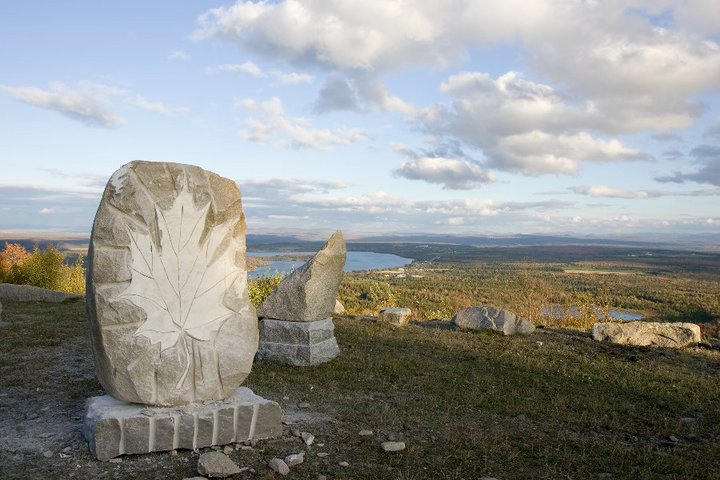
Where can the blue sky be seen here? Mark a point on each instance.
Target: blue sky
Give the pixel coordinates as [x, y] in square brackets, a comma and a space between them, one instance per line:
[458, 116]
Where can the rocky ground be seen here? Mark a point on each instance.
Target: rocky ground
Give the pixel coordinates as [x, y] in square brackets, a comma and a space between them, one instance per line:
[553, 404]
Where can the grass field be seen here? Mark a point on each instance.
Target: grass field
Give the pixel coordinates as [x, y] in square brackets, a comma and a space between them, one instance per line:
[439, 290]
[552, 405]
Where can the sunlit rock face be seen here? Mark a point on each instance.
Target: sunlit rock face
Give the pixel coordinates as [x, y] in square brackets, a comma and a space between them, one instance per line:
[167, 300]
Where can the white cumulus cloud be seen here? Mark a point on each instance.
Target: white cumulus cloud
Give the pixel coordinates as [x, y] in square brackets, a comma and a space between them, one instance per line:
[268, 124]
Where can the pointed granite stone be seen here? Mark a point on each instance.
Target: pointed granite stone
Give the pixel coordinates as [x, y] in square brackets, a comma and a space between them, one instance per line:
[308, 294]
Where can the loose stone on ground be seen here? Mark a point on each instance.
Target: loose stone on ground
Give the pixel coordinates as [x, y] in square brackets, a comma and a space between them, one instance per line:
[295, 459]
[278, 465]
[216, 465]
[393, 446]
[307, 437]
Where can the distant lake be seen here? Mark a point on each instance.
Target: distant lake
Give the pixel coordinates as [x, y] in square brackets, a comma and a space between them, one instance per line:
[557, 311]
[355, 261]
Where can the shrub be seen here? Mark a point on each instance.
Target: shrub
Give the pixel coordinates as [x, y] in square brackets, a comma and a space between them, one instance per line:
[41, 268]
[11, 260]
[44, 268]
[74, 277]
[365, 296]
[260, 288]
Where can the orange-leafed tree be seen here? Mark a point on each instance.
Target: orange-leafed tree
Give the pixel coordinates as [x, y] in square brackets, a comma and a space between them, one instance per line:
[12, 259]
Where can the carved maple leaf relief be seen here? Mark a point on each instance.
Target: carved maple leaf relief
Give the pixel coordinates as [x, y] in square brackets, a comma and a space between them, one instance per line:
[180, 283]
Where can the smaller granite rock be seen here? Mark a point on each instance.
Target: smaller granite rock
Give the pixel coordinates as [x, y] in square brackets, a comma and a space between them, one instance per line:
[669, 335]
[493, 318]
[344, 464]
[395, 316]
[393, 446]
[365, 433]
[278, 465]
[216, 465]
[295, 459]
[339, 308]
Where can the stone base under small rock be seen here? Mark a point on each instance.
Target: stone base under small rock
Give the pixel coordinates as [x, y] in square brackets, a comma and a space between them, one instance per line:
[113, 427]
[297, 343]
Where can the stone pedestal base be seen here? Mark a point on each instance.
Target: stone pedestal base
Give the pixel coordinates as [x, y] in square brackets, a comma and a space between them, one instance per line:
[297, 343]
[114, 428]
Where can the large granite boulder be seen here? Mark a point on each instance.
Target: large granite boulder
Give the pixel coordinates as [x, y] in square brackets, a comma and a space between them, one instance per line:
[167, 300]
[309, 293]
[489, 317]
[30, 293]
[671, 335]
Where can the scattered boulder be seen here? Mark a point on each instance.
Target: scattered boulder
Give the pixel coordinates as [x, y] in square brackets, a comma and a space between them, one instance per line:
[29, 293]
[395, 316]
[365, 433]
[493, 318]
[309, 293]
[278, 465]
[339, 308]
[669, 335]
[216, 465]
[393, 446]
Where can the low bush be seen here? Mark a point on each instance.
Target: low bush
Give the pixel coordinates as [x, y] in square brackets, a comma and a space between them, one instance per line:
[41, 268]
[260, 288]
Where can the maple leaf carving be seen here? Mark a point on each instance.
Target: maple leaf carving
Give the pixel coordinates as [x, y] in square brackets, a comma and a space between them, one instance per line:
[180, 283]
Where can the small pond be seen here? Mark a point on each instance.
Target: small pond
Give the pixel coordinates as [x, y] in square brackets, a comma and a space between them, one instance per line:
[558, 311]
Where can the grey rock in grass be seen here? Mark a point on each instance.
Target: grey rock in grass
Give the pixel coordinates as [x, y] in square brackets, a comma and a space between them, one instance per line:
[167, 302]
[339, 308]
[670, 335]
[395, 316]
[493, 318]
[216, 465]
[393, 446]
[29, 293]
[309, 293]
[278, 465]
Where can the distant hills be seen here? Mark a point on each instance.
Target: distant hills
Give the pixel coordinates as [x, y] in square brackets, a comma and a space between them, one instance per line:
[301, 242]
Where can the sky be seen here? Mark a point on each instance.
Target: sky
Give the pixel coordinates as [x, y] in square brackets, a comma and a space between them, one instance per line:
[376, 116]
